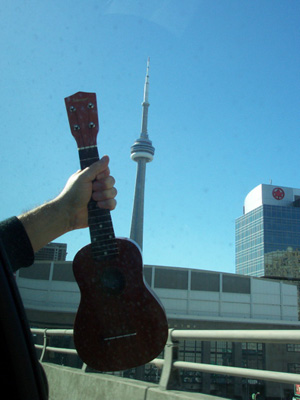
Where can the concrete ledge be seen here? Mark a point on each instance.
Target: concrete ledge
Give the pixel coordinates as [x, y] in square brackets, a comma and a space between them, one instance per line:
[67, 383]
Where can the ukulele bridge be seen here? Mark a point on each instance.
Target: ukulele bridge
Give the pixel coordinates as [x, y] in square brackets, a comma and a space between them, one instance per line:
[120, 336]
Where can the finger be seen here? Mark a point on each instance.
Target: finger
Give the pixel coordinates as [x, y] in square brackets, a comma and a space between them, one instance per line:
[106, 183]
[103, 174]
[109, 204]
[95, 169]
[105, 194]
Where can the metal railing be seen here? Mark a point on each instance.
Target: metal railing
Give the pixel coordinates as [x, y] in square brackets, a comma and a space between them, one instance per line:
[171, 365]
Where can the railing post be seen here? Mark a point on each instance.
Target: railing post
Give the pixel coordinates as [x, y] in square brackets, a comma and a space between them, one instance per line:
[44, 345]
[170, 377]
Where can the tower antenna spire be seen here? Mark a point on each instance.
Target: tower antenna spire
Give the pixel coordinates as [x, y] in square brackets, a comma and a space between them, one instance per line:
[142, 152]
[145, 104]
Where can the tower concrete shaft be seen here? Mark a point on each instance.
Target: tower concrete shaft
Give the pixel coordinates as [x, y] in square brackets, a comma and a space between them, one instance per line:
[142, 152]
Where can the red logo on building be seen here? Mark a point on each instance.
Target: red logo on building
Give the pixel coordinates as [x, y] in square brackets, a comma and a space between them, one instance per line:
[278, 193]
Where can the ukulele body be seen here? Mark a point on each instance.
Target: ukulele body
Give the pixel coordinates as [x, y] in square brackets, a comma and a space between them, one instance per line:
[120, 322]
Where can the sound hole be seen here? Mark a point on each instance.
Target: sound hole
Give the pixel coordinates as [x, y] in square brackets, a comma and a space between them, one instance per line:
[112, 281]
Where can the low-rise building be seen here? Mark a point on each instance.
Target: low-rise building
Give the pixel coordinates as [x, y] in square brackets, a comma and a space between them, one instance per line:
[193, 299]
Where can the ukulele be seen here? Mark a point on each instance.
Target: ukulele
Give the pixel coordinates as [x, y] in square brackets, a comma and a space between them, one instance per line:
[120, 323]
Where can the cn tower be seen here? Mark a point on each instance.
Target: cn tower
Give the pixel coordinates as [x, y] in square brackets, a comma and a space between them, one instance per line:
[142, 152]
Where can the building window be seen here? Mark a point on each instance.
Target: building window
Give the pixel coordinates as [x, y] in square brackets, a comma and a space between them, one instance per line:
[236, 284]
[63, 272]
[253, 355]
[38, 270]
[190, 350]
[205, 281]
[294, 368]
[221, 353]
[171, 279]
[293, 347]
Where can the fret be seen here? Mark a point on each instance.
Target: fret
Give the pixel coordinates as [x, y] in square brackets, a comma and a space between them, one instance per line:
[105, 234]
[105, 252]
[101, 252]
[106, 242]
[105, 248]
[102, 228]
[88, 156]
[99, 224]
[100, 221]
[105, 227]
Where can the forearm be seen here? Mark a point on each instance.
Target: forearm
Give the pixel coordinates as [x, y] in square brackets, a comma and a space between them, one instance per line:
[45, 223]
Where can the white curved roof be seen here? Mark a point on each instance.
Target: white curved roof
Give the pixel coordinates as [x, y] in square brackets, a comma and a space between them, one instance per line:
[270, 194]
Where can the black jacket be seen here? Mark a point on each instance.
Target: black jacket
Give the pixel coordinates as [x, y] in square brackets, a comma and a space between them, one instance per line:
[21, 375]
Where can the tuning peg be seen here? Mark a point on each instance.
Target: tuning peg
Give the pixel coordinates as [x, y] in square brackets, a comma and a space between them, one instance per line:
[91, 105]
[72, 109]
[92, 125]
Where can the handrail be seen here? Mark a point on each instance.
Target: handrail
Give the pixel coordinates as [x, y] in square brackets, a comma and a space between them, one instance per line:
[170, 364]
[52, 332]
[253, 336]
[273, 376]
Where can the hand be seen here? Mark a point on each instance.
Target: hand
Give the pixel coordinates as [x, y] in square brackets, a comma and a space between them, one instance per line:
[68, 211]
[94, 181]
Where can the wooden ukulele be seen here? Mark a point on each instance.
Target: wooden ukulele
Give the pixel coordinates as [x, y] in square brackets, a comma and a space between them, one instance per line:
[120, 323]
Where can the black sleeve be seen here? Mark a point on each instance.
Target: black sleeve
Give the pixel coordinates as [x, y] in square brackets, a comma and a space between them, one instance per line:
[22, 376]
[16, 243]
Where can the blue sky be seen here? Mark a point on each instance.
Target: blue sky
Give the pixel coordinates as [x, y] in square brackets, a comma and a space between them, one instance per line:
[224, 114]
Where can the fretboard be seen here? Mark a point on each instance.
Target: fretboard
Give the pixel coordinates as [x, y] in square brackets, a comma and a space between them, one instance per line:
[103, 241]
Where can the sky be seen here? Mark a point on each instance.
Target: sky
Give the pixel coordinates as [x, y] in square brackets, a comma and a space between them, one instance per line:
[224, 111]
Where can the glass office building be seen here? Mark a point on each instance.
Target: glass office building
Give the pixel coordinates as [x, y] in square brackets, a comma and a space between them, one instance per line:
[268, 233]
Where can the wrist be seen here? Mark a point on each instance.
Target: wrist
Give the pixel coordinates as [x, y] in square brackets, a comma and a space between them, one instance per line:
[71, 215]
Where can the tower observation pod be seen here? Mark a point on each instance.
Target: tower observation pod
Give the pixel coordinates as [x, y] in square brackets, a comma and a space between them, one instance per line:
[142, 152]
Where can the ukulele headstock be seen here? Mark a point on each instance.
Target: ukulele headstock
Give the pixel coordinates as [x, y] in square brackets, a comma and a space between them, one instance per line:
[83, 118]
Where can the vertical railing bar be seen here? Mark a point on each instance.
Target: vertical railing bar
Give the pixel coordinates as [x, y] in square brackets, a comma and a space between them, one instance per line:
[44, 345]
[170, 376]
[84, 367]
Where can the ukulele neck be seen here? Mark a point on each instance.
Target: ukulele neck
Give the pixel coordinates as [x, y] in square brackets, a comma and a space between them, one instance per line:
[88, 155]
[103, 241]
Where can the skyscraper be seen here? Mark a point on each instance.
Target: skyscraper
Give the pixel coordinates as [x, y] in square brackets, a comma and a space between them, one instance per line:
[268, 233]
[142, 152]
